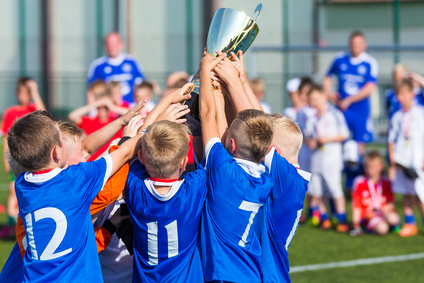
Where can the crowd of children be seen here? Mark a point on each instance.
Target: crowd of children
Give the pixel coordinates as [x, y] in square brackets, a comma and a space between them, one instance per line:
[122, 194]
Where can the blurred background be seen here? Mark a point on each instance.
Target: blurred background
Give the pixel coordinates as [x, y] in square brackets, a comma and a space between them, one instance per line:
[55, 41]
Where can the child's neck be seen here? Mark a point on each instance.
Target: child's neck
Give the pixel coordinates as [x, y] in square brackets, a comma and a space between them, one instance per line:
[375, 179]
[407, 106]
[163, 190]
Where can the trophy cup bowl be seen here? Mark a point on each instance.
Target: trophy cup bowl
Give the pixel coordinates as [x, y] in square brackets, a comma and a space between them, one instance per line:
[230, 31]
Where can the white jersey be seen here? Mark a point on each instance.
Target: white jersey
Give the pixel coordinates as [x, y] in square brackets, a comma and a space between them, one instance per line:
[266, 107]
[290, 112]
[407, 133]
[305, 118]
[328, 156]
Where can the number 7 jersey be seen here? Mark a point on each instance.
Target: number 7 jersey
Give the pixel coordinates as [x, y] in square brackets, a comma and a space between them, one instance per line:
[237, 191]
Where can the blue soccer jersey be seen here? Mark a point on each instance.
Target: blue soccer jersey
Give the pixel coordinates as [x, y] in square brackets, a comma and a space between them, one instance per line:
[237, 192]
[55, 208]
[283, 211]
[13, 268]
[124, 69]
[166, 226]
[353, 74]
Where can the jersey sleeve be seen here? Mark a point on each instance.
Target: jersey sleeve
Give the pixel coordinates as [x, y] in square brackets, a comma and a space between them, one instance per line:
[7, 122]
[282, 172]
[393, 128]
[93, 72]
[136, 175]
[372, 75]
[137, 72]
[93, 176]
[333, 68]
[103, 238]
[342, 126]
[216, 155]
[356, 193]
[112, 189]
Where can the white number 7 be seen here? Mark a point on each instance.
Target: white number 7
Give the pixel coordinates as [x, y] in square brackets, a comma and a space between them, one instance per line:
[253, 207]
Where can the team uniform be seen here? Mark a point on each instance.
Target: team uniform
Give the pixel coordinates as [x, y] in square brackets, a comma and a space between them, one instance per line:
[327, 160]
[406, 132]
[266, 107]
[305, 118]
[55, 207]
[353, 74]
[393, 105]
[237, 191]
[166, 226]
[13, 268]
[283, 210]
[125, 69]
[290, 112]
[370, 198]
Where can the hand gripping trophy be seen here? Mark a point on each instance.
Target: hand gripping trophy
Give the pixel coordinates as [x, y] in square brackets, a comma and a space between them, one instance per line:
[230, 31]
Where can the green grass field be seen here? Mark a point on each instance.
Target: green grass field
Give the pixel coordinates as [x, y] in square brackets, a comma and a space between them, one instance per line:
[313, 246]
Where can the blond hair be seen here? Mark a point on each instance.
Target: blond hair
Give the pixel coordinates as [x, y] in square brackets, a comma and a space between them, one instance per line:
[287, 136]
[164, 145]
[71, 131]
[253, 131]
[32, 138]
[404, 83]
[257, 85]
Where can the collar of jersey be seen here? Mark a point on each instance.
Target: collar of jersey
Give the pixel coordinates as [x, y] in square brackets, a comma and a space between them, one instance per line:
[357, 60]
[116, 61]
[174, 189]
[41, 178]
[251, 168]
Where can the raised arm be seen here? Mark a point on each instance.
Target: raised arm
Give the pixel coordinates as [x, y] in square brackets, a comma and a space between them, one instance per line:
[96, 140]
[207, 99]
[174, 97]
[35, 95]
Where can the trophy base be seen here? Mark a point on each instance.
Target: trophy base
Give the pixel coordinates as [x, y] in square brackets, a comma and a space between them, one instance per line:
[193, 117]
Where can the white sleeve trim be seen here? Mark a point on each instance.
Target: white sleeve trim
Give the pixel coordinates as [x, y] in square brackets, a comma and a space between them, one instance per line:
[109, 165]
[305, 175]
[209, 146]
[268, 159]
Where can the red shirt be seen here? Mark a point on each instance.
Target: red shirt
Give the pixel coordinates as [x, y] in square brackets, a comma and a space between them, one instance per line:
[366, 200]
[13, 113]
[92, 124]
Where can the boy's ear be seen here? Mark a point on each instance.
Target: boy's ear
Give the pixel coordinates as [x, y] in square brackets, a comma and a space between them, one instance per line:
[56, 154]
[140, 155]
[233, 146]
[183, 164]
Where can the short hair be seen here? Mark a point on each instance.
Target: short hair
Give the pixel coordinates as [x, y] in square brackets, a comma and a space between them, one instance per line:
[163, 146]
[356, 33]
[144, 85]
[404, 83]
[400, 68]
[179, 83]
[287, 135]
[98, 85]
[315, 87]
[15, 167]
[304, 82]
[113, 84]
[71, 131]
[22, 81]
[372, 155]
[32, 138]
[257, 85]
[253, 132]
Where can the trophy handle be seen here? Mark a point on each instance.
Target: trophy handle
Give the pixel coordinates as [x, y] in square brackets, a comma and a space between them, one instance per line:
[258, 9]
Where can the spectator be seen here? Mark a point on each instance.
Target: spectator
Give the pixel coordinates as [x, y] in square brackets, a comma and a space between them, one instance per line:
[144, 91]
[292, 87]
[258, 87]
[356, 72]
[26, 90]
[117, 66]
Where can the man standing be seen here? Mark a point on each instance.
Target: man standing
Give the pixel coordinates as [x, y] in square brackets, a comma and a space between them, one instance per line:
[117, 66]
[357, 73]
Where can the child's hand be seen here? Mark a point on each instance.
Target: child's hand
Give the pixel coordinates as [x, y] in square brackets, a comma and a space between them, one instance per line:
[131, 129]
[178, 95]
[392, 173]
[226, 71]
[33, 87]
[174, 112]
[136, 110]
[209, 62]
[239, 65]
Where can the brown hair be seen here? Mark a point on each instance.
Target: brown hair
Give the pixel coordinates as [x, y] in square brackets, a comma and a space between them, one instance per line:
[287, 135]
[32, 138]
[144, 85]
[71, 131]
[164, 145]
[315, 87]
[356, 33]
[404, 83]
[304, 82]
[22, 81]
[98, 86]
[253, 131]
[113, 84]
[257, 85]
[372, 155]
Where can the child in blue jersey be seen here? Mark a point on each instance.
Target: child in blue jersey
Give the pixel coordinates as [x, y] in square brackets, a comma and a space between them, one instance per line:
[54, 200]
[285, 204]
[238, 185]
[165, 211]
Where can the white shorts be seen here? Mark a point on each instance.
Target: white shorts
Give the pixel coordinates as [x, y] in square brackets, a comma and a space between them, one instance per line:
[402, 184]
[326, 184]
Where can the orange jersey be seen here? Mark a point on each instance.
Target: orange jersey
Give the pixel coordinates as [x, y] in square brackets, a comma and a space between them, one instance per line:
[110, 192]
[367, 200]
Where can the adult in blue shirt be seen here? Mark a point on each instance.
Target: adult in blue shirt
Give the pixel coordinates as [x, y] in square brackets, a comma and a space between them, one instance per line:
[117, 66]
[356, 72]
